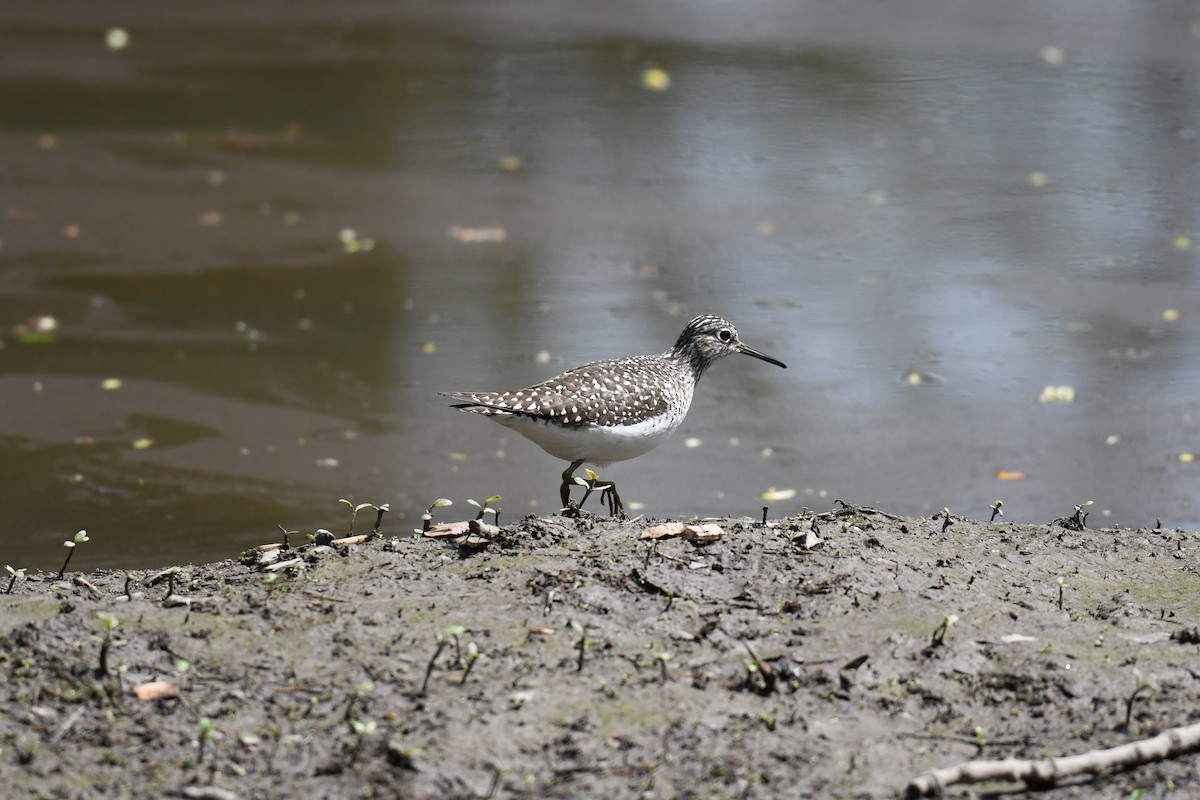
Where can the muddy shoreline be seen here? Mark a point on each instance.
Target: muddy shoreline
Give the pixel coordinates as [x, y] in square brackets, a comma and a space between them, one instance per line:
[573, 658]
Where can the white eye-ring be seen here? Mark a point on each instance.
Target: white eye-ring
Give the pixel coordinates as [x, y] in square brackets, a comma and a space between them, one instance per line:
[725, 335]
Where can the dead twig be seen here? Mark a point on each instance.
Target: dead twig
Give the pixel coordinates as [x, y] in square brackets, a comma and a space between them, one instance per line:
[1048, 773]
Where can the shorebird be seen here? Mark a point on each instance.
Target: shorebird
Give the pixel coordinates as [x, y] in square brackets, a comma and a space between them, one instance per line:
[615, 409]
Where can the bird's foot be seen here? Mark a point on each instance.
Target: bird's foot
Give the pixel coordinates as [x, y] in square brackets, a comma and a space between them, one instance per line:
[608, 493]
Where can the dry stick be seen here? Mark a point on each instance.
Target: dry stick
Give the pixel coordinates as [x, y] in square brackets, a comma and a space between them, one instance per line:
[1048, 773]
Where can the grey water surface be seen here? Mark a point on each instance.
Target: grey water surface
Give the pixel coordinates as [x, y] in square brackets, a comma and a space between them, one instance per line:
[259, 237]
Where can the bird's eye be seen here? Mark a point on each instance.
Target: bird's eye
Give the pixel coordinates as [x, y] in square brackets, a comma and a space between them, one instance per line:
[725, 335]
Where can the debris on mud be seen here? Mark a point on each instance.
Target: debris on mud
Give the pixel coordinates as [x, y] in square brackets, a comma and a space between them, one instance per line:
[571, 657]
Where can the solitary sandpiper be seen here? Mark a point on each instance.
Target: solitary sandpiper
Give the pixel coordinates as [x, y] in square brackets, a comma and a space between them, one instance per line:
[615, 409]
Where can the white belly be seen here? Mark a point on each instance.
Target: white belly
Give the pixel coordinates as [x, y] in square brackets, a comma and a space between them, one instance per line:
[593, 443]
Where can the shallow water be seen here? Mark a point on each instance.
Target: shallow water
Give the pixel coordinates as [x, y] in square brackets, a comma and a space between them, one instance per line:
[1000, 199]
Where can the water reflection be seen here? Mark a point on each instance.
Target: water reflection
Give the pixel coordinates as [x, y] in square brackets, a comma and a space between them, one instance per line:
[982, 209]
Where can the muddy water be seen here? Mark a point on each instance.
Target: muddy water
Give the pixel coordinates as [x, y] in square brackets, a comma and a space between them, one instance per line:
[265, 239]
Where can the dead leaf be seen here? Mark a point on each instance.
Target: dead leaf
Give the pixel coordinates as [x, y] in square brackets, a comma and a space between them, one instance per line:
[703, 534]
[474, 235]
[666, 530]
[449, 529]
[155, 690]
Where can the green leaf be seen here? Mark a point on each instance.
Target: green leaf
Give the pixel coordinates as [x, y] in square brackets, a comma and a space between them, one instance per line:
[441, 501]
[493, 499]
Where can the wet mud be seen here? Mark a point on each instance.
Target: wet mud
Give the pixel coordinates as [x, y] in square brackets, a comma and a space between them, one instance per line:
[574, 658]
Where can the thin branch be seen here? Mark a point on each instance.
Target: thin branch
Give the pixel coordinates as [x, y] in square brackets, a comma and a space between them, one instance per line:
[1048, 773]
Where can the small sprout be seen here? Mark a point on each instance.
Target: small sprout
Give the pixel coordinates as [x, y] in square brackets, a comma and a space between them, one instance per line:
[1080, 517]
[483, 508]
[765, 508]
[286, 534]
[109, 623]
[455, 631]
[469, 662]
[581, 644]
[206, 732]
[947, 519]
[427, 517]
[997, 510]
[980, 737]
[13, 575]
[1061, 585]
[362, 729]
[441, 645]
[760, 676]
[939, 633]
[354, 509]
[1142, 685]
[70, 544]
[662, 659]
[379, 512]
[608, 491]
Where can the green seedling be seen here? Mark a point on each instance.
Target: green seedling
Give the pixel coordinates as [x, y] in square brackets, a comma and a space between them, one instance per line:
[354, 509]
[947, 519]
[483, 509]
[13, 575]
[1142, 685]
[662, 659]
[109, 623]
[980, 737]
[206, 732]
[70, 544]
[997, 510]
[379, 512]
[427, 517]
[286, 534]
[1080, 518]
[760, 676]
[608, 491]
[469, 662]
[939, 633]
[361, 731]
[1062, 584]
[581, 644]
[765, 509]
[454, 631]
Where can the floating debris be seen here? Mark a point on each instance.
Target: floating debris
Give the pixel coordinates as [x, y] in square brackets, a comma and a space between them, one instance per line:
[476, 235]
[1057, 394]
[655, 79]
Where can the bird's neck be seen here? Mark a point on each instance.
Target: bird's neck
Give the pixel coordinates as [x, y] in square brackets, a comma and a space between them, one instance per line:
[690, 359]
